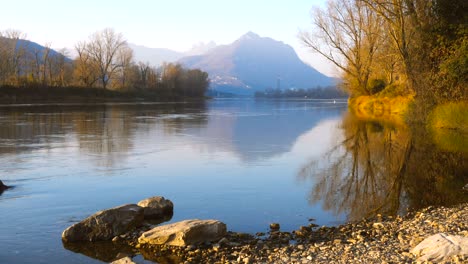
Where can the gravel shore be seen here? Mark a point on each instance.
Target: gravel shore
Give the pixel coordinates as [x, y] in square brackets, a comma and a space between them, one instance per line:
[379, 240]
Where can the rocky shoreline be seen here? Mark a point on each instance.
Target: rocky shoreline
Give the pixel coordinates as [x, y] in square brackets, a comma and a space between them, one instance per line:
[378, 240]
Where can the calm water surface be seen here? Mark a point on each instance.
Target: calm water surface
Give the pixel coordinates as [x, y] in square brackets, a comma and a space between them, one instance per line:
[247, 163]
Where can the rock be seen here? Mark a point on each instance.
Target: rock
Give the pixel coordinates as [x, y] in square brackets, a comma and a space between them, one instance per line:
[105, 225]
[223, 241]
[440, 246]
[3, 187]
[125, 260]
[377, 225]
[216, 247]
[274, 226]
[157, 208]
[184, 233]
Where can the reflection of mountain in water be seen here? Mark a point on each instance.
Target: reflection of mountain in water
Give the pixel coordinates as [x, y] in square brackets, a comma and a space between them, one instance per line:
[102, 130]
[261, 130]
[260, 137]
[252, 130]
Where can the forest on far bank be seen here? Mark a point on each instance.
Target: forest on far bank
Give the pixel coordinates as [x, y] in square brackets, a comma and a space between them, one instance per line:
[103, 62]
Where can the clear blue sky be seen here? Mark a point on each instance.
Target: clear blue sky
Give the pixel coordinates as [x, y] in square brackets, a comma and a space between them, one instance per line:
[173, 24]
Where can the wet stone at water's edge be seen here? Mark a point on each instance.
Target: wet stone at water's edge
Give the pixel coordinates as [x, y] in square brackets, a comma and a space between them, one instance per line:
[105, 225]
[3, 187]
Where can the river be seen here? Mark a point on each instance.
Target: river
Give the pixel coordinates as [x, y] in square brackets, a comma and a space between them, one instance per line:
[247, 163]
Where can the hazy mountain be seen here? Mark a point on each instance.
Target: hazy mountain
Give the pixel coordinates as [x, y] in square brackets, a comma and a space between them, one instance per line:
[31, 48]
[254, 63]
[200, 48]
[154, 56]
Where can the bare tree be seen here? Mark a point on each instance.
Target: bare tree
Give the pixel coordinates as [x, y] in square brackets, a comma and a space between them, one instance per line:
[125, 60]
[347, 34]
[59, 69]
[405, 21]
[36, 64]
[45, 63]
[13, 52]
[85, 68]
[143, 72]
[103, 49]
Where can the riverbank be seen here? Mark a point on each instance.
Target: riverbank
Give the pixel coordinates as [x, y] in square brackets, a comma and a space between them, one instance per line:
[379, 240]
[401, 110]
[43, 95]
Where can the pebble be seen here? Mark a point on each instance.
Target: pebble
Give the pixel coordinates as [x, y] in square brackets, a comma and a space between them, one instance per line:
[274, 226]
[380, 240]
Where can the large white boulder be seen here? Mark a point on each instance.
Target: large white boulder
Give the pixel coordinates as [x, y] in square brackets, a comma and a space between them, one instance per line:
[184, 233]
[125, 260]
[441, 246]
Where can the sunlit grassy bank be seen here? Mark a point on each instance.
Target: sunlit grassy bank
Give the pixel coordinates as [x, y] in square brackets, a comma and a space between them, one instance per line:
[385, 109]
[448, 124]
[453, 115]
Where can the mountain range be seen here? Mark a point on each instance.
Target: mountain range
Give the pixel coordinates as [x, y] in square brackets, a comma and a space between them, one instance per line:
[156, 56]
[249, 64]
[30, 47]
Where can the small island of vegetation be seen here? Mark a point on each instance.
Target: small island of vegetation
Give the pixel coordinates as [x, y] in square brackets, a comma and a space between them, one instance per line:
[103, 70]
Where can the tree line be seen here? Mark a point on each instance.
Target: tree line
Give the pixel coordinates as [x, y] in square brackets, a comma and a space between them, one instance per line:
[103, 61]
[395, 47]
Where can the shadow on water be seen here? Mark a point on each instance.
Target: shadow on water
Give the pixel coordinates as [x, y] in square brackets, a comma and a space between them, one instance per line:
[103, 251]
[388, 169]
[110, 251]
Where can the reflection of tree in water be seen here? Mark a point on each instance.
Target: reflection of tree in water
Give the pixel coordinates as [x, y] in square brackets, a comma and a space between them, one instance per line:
[435, 176]
[379, 168]
[109, 132]
[106, 133]
[28, 128]
[104, 130]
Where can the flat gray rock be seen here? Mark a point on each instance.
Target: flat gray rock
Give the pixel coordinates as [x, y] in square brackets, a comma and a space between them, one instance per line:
[184, 233]
[438, 247]
[104, 225]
